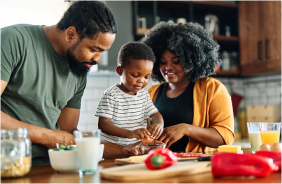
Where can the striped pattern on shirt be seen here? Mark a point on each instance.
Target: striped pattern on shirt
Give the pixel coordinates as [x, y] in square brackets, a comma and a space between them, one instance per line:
[125, 111]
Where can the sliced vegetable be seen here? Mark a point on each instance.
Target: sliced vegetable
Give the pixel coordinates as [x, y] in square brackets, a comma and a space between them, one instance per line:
[233, 164]
[64, 148]
[160, 158]
[276, 156]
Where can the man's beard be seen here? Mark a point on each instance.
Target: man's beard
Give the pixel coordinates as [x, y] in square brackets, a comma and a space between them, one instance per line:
[76, 67]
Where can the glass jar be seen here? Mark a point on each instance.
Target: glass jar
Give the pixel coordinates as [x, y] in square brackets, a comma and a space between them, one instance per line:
[15, 152]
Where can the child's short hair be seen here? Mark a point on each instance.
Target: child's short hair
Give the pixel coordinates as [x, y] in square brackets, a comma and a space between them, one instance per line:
[135, 50]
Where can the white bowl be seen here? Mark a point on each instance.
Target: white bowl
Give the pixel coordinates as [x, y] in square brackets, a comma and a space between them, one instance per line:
[64, 161]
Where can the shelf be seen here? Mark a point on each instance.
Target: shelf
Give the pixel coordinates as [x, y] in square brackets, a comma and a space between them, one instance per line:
[141, 32]
[228, 73]
[217, 3]
[226, 38]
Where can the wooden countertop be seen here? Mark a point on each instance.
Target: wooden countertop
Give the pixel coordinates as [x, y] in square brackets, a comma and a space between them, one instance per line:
[46, 174]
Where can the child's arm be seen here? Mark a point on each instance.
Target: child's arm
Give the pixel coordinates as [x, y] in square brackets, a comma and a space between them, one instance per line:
[156, 128]
[107, 127]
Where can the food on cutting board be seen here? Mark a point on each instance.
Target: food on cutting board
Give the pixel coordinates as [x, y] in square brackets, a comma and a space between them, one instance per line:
[230, 148]
[160, 158]
[226, 164]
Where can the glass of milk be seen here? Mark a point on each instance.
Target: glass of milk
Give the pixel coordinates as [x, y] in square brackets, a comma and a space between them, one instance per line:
[254, 135]
[88, 145]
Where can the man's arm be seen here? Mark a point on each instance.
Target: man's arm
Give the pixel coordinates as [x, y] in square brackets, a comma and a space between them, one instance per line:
[112, 150]
[37, 134]
[68, 119]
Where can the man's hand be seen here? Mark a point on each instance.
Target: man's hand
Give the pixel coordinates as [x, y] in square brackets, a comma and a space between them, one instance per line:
[60, 137]
[139, 133]
[130, 149]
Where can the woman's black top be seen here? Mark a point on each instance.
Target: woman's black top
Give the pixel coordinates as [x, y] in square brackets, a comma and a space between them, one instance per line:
[176, 110]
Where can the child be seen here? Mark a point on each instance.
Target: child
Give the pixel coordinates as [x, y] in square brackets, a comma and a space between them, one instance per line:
[124, 108]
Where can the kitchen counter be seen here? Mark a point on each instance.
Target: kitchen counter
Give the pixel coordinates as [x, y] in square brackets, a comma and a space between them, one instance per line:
[46, 174]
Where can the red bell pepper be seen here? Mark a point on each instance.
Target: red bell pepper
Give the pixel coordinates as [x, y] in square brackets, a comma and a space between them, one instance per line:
[276, 156]
[160, 158]
[233, 164]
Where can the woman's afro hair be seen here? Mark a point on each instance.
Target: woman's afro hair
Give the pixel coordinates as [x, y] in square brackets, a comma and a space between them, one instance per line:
[196, 48]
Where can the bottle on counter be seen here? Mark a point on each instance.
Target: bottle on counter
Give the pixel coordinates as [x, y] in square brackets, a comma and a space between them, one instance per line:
[15, 152]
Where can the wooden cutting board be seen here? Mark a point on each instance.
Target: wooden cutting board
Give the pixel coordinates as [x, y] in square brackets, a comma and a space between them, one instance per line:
[139, 172]
[140, 159]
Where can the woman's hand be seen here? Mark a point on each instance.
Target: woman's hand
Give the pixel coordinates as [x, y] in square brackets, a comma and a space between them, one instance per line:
[173, 133]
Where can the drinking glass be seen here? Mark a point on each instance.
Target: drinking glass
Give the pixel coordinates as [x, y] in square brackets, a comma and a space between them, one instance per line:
[88, 145]
[254, 135]
[270, 132]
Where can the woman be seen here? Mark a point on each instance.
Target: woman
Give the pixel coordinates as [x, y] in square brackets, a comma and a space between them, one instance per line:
[197, 109]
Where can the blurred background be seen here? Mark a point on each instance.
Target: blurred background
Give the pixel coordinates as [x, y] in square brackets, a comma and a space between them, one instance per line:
[249, 33]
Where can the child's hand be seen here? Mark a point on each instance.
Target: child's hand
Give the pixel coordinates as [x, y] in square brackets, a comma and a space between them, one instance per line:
[139, 133]
[156, 130]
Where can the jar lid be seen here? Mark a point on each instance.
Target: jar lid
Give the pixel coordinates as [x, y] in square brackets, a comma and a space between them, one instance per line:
[18, 132]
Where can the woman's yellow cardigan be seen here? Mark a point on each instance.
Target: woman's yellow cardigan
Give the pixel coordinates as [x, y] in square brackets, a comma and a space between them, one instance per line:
[212, 108]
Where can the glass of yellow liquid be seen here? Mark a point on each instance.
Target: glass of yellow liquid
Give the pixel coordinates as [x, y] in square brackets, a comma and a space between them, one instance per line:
[270, 132]
[254, 135]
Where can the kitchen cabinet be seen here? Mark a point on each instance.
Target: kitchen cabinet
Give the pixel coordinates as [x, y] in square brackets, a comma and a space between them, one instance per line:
[147, 13]
[260, 37]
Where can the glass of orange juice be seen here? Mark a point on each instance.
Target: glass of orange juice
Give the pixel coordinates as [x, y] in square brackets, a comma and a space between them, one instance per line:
[270, 132]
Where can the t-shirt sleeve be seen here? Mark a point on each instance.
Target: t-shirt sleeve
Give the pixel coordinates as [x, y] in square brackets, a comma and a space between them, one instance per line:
[75, 101]
[150, 108]
[11, 51]
[106, 106]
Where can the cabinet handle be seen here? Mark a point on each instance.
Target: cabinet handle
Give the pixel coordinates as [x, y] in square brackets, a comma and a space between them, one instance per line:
[259, 49]
[266, 49]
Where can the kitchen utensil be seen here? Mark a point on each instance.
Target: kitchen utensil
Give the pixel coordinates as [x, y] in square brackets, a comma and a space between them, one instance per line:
[64, 161]
[199, 159]
[15, 152]
[141, 158]
[144, 149]
[139, 172]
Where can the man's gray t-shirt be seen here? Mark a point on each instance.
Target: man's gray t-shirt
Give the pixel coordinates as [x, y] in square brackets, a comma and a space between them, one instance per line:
[40, 82]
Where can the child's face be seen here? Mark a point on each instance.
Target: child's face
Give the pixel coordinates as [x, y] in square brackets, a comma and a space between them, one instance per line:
[135, 75]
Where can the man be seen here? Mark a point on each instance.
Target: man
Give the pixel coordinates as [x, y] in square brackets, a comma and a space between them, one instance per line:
[43, 73]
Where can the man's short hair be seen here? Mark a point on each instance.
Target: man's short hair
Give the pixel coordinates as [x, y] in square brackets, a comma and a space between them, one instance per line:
[89, 18]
